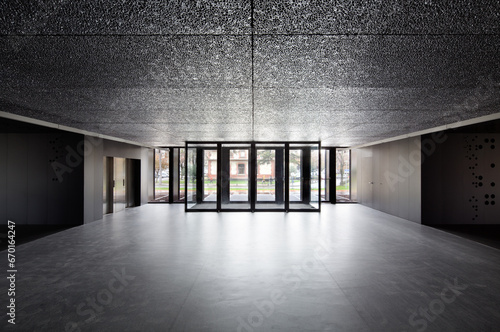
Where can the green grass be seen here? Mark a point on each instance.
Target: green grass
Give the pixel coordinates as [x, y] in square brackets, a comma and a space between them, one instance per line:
[239, 182]
[342, 187]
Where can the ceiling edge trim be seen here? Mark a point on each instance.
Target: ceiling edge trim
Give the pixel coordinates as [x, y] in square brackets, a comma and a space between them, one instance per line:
[66, 128]
[489, 117]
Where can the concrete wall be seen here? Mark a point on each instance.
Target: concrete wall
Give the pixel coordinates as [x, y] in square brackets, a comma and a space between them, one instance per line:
[461, 180]
[389, 178]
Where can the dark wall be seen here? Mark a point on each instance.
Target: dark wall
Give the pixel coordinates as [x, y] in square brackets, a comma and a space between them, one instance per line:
[41, 176]
[388, 177]
[133, 193]
[53, 177]
[3, 178]
[460, 181]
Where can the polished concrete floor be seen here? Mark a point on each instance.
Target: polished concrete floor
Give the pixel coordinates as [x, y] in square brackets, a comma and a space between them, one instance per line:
[348, 268]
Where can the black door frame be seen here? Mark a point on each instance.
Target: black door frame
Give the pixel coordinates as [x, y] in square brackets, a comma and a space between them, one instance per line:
[333, 174]
[279, 176]
[252, 164]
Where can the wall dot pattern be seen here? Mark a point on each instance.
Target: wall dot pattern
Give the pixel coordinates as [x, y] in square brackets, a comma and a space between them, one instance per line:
[56, 156]
[481, 161]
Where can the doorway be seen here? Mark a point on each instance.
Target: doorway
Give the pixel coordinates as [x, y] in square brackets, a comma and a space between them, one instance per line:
[235, 177]
[119, 188]
[303, 177]
[121, 184]
[269, 176]
[202, 169]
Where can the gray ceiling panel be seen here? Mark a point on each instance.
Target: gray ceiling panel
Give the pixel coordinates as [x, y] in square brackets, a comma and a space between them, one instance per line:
[234, 17]
[151, 102]
[164, 110]
[117, 61]
[273, 133]
[125, 17]
[366, 99]
[309, 61]
[166, 72]
[377, 17]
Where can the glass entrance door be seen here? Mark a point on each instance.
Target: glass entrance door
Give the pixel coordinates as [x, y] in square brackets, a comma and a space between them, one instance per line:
[325, 175]
[270, 177]
[303, 177]
[201, 177]
[235, 177]
[162, 175]
[191, 178]
[243, 176]
[210, 175]
[295, 177]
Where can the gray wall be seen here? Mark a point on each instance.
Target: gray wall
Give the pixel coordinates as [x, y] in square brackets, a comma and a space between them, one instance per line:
[123, 150]
[461, 180]
[93, 169]
[389, 178]
[100, 148]
[41, 178]
[148, 174]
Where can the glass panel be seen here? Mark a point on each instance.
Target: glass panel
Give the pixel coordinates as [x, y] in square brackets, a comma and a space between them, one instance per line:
[325, 175]
[270, 177]
[162, 168]
[315, 157]
[182, 175]
[295, 179]
[191, 177]
[342, 175]
[238, 175]
[304, 177]
[266, 190]
[210, 175]
[208, 170]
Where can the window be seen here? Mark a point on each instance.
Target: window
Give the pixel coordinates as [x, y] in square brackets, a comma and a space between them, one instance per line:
[343, 175]
[162, 171]
[241, 169]
[279, 177]
[265, 169]
[213, 167]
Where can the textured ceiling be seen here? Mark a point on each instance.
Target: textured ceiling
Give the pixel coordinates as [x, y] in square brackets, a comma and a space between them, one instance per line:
[161, 73]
